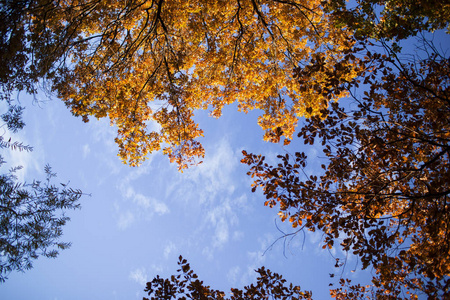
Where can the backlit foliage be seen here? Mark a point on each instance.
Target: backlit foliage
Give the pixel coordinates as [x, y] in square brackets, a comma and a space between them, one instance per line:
[383, 191]
[391, 20]
[148, 65]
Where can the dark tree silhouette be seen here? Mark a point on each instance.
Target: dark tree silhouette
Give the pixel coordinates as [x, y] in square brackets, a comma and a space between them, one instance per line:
[32, 215]
[186, 285]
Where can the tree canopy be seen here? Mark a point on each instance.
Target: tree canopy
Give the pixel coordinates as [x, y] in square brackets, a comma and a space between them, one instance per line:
[31, 220]
[148, 65]
[382, 193]
[383, 190]
[32, 215]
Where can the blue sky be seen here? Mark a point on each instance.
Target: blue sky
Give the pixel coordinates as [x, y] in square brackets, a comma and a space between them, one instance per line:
[139, 220]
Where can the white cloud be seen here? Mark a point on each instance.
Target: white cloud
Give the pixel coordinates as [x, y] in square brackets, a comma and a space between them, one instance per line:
[125, 220]
[238, 235]
[142, 206]
[208, 253]
[211, 190]
[102, 135]
[86, 150]
[139, 275]
[221, 234]
[256, 260]
[103, 132]
[127, 192]
[169, 249]
[224, 217]
[215, 175]
[157, 268]
[315, 237]
[233, 274]
[149, 203]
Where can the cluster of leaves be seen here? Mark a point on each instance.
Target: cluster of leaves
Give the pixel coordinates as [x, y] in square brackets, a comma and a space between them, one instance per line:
[383, 194]
[31, 220]
[186, 285]
[31, 214]
[27, 50]
[148, 65]
[392, 20]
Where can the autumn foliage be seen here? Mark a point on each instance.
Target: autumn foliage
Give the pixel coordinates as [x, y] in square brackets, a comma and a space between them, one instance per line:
[186, 285]
[383, 191]
[148, 65]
